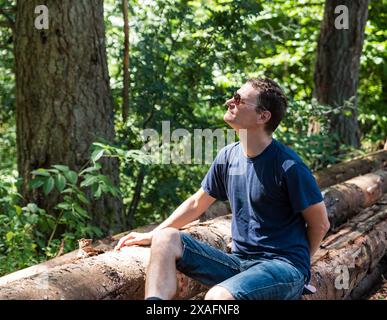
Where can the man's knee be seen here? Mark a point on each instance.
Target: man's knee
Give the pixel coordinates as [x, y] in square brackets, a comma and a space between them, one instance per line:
[218, 293]
[168, 239]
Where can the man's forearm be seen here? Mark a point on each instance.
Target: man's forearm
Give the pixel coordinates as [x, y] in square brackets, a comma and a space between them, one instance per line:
[315, 237]
[187, 212]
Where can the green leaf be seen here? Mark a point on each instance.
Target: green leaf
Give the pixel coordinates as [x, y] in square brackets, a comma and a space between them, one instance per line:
[89, 180]
[82, 212]
[63, 205]
[36, 183]
[60, 182]
[98, 144]
[97, 194]
[61, 168]
[48, 185]
[71, 176]
[82, 198]
[32, 207]
[41, 172]
[91, 169]
[97, 154]
[9, 235]
[18, 209]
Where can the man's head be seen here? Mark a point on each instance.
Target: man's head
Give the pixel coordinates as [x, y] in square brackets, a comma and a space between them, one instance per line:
[260, 102]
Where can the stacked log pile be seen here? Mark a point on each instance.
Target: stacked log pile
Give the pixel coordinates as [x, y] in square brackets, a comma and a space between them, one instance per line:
[346, 266]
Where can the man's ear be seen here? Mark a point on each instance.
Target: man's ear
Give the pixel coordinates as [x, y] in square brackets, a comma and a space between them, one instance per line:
[263, 117]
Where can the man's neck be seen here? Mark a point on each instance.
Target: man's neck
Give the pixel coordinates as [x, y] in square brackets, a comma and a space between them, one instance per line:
[254, 142]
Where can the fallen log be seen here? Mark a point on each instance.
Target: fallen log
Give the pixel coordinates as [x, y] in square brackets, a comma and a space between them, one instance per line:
[346, 199]
[218, 208]
[112, 275]
[356, 248]
[342, 201]
[347, 256]
[343, 171]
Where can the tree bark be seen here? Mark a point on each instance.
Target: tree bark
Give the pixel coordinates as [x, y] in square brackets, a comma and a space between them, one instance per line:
[340, 172]
[337, 66]
[346, 199]
[63, 100]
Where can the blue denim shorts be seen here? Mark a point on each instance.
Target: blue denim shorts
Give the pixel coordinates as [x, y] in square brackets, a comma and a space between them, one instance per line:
[245, 277]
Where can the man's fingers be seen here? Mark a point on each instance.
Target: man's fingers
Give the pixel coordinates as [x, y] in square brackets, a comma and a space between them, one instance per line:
[130, 242]
[122, 241]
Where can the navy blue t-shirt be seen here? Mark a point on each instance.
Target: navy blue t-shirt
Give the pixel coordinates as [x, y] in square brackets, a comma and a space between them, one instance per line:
[267, 194]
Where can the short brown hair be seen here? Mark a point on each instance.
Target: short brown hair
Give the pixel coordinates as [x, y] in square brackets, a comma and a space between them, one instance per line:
[271, 97]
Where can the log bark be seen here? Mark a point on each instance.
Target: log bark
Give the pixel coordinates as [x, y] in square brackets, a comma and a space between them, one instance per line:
[346, 257]
[107, 243]
[346, 199]
[343, 171]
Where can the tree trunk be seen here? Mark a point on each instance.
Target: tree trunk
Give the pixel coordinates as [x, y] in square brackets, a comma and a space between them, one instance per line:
[63, 100]
[349, 255]
[340, 172]
[337, 66]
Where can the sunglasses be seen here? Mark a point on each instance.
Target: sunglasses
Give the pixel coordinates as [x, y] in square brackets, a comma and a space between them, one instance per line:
[238, 100]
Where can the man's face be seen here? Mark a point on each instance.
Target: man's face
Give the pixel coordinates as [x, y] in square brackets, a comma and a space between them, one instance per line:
[243, 115]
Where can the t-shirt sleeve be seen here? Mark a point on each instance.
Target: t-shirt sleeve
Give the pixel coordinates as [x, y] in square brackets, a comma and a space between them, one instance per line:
[301, 187]
[214, 183]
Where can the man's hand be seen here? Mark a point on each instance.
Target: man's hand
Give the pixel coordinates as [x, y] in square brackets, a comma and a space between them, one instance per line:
[134, 238]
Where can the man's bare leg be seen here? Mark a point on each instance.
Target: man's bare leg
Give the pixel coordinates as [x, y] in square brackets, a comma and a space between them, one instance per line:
[161, 279]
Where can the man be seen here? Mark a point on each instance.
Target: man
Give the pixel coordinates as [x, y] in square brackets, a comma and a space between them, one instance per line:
[278, 214]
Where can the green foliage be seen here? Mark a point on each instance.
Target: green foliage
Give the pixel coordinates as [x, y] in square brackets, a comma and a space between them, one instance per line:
[19, 235]
[73, 186]
[28, 234]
